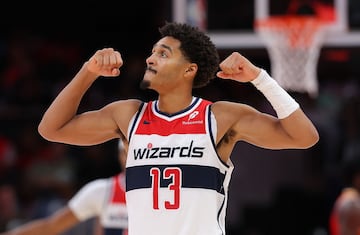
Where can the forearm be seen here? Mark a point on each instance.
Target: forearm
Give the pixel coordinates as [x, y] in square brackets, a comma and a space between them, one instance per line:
[65, 105]
[281, 101]
[59, 222]
[291, 117]
[34, 227]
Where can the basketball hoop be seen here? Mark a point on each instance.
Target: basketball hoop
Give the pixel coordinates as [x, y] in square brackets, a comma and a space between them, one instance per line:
[293, 43]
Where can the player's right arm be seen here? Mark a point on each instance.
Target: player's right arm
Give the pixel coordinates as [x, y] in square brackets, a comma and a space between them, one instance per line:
[61, 123]
[57, 223]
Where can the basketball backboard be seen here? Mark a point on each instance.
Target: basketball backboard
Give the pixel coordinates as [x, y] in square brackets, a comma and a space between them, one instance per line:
[230, 22]
[334, 11]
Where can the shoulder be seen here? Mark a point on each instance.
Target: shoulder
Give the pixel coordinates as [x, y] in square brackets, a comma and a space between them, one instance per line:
[122, 108]
[94, 187]
[233, 119]
[229, 104]
[88, 201]
[128, 104]
[92, 191]
[122, 111]
[231, 109]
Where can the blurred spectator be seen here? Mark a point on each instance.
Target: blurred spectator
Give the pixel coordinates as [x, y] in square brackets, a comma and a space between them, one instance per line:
[8, 159]
[103, 199]
[350, 121]
[345, 216]
[8, 205]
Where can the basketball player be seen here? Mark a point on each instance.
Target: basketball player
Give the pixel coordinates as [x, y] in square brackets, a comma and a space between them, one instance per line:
[178, 166]
[101, 198]
[345, 216]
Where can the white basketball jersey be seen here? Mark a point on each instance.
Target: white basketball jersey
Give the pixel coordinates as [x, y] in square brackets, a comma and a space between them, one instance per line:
[105, 199]
[114, 217]
[176, 184]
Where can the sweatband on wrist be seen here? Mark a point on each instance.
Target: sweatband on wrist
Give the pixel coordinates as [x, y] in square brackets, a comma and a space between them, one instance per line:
[281, 101]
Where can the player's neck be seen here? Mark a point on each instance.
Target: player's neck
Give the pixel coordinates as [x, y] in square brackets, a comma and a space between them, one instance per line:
[171, 104]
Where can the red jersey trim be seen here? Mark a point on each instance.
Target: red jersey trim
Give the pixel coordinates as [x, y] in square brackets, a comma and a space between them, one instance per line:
[192, 121]
[118, 195]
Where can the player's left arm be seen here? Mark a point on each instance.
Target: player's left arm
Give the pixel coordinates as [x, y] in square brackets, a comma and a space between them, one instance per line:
[290, 129]
[240, 122]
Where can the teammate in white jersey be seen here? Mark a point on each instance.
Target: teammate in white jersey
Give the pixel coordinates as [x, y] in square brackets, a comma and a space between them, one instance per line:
[178, 164]
[103, 199]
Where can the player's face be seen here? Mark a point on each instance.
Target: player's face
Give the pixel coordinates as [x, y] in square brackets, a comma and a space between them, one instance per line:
[166, 66]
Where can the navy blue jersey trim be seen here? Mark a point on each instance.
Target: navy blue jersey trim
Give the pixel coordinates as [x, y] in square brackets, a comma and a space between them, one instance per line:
[135, 120]
[177, 113]
[210, 128]
[218, 215]
[113, 231]
[193, 176]
[213, 138]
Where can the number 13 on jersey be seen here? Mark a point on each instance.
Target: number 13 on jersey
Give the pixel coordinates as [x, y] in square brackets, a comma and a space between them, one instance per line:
[173, 175]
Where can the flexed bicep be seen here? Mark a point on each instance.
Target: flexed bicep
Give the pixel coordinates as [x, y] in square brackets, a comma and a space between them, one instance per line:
[97, 126]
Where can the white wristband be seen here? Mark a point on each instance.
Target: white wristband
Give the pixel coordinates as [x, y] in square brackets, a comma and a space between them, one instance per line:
[281, 101]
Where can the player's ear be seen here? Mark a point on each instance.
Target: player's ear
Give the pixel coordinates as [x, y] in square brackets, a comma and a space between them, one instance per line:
[191, 69]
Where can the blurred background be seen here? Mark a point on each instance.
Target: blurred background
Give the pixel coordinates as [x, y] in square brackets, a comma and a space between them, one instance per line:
[42, 46]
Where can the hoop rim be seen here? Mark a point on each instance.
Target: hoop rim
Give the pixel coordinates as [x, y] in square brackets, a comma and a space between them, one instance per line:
[300, 30]
[284, 21]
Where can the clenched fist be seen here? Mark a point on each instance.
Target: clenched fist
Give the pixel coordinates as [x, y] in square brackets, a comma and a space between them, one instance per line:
[238, 68]
[105, 62]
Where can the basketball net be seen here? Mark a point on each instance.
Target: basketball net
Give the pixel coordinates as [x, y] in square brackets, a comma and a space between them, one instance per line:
[293, 43]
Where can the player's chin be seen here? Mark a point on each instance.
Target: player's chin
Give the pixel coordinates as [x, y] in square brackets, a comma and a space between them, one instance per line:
[145, 84]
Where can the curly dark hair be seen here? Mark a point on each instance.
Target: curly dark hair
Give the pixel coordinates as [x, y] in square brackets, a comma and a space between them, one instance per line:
[197, 48]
